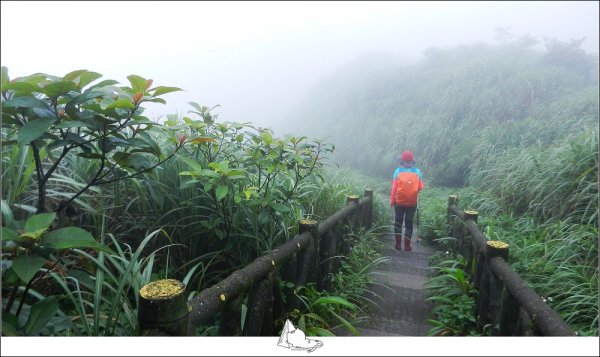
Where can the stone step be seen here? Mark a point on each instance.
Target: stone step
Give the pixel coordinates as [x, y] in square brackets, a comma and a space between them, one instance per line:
[399, 280]
[415, 255]
[402, 327]
[389, 327]
[397, 264]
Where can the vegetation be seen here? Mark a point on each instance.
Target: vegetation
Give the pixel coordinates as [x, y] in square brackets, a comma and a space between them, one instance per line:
[453, 105]
[98, 199]
[455, 308]
[512, 129]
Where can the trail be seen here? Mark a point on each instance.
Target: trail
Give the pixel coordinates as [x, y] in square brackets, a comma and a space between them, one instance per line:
[399, 292]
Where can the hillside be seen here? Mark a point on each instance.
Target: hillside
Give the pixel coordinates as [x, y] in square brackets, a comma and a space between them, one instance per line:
[450, 107]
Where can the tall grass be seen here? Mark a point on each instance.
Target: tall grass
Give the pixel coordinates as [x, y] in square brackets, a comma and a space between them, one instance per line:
[544, 203]
[450, 104]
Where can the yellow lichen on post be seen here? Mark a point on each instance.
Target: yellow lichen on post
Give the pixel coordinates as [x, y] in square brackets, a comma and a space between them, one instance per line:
[163, 308]
[471, 212]
[162, 289]
[497, 244]
[308, 222]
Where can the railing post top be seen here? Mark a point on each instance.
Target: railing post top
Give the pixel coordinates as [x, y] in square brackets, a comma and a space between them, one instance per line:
[351, 199]
[368, 192]
[162, 289]
[470, 214]
[496, 248]
[307, 225]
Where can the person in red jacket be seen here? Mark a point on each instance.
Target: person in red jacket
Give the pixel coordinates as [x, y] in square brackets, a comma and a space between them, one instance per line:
[406, 185]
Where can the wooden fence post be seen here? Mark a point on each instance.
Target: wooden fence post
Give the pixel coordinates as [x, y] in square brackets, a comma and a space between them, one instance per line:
[350, 200]
[495, 249]
[163, 309]
[289, 273]
[367, 220]
[259, 319]
[468, 247]
[452, 199]
[231, 317]
[315, 270]
[308, 260]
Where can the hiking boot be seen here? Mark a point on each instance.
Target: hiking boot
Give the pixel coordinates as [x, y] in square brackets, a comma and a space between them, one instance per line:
[407, 244]
[398, 242]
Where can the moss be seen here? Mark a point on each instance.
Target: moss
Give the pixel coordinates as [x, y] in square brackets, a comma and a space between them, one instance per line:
[497, 244]
[161, 289]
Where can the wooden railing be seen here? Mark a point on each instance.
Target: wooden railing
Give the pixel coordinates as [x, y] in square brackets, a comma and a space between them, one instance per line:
[308, 257]
[506, 303]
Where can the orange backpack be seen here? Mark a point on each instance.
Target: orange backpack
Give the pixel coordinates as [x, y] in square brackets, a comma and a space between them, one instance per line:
[408, 189]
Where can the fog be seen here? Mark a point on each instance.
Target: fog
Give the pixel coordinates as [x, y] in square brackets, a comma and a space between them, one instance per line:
[258, 59]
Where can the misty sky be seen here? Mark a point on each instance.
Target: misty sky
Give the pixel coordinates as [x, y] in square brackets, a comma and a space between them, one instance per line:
[258, 59]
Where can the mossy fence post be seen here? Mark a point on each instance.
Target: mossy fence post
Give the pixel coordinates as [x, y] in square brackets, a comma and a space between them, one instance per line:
[496, 250]
[308, 260]
[351, 221]
[367, 219]
[163, 309]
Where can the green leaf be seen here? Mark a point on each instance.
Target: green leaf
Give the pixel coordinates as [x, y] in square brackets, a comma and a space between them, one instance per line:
[137, 83]
[347, 324]
[22, 87]
[83, 98]
[157, 100]
[222, 192]
[27, 265]
[59, 88]
[319, 331]
[39, 221]
[135, 161]
[35, 234]
[41, 313]
[327, 300]
[192, 163]
[33, 130]
[280, 207]
[9, 234]
[10, 278]
[74, 74]
[5, 78]
[82, 77]
[25, 102]
[10, 324]
[267, 137]
[164, 90]
[108, 82]
[71, 237]
[71, 124]
[121, 103]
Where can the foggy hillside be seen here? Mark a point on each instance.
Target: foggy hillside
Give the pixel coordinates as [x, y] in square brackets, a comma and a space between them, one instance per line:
[449, 107]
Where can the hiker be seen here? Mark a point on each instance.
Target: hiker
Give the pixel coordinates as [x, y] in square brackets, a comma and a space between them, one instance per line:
[408, 182]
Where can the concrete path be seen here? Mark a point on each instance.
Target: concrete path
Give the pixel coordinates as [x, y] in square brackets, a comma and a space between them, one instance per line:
[399, 291]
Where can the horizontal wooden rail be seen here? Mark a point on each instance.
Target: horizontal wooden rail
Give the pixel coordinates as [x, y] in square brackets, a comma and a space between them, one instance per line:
[211, 300]
[546, 319]
[504, 297]
[218, 296]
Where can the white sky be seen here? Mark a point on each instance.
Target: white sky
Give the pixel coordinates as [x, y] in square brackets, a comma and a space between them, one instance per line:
[257, 59]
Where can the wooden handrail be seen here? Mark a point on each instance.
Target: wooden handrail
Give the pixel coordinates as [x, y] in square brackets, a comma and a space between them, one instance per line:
[303, 248]
[499, 286]
[211, 300]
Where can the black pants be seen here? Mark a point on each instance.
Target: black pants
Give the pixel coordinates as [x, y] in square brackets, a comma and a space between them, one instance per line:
[404, 215]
